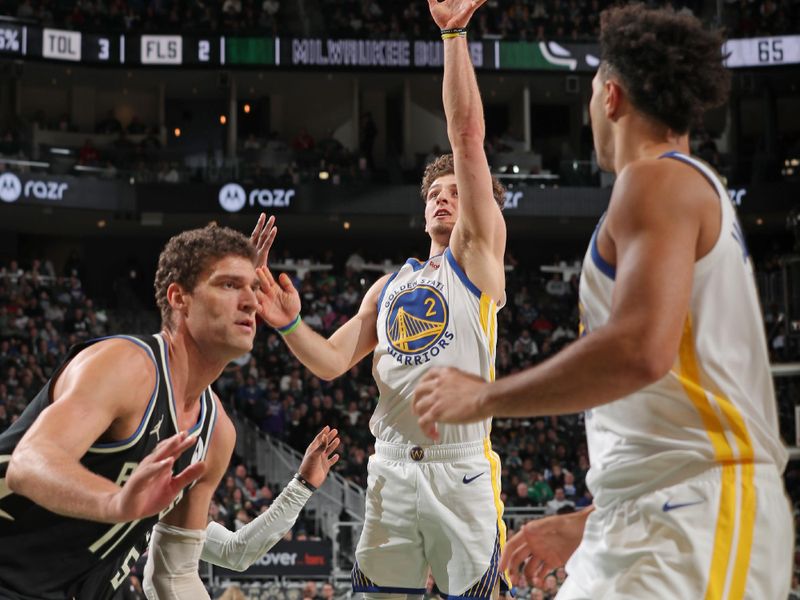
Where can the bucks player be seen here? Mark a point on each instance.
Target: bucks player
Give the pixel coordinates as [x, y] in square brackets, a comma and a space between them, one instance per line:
[127, 435]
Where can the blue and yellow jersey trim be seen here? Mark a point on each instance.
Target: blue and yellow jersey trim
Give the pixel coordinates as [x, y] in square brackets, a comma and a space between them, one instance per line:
[488, 318]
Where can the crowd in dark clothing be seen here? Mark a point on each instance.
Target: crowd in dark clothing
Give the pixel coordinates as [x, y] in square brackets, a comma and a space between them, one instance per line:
[532, 20]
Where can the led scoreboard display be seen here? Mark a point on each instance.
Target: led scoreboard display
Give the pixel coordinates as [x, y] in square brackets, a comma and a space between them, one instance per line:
[23, 41]
[763, 52]
[18, 40]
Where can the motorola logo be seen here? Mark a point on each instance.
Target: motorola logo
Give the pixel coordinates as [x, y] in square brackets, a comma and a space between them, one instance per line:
[10, 187]
[232, 197]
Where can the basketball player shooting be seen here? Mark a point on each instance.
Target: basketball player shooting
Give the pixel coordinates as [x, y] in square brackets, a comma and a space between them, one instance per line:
[429, 505]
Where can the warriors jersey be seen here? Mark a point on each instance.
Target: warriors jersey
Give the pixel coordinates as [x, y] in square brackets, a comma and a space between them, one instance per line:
[48, 556]
[717, 404]
[429, 315]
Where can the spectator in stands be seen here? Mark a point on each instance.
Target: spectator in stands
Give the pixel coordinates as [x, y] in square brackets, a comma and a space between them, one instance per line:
[234, 592]
[303, 141]
[9, 145]
[520, 497]
[310, 591]
[558, 502]
[136, 127]
[109, 125]
[88, 154]
[550, 587]
[367, 132]
[327, 591]
[525, 345]
[570, 490]
[539, 492]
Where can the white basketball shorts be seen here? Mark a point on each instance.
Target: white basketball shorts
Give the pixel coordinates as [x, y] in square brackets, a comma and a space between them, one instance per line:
[436, 506]
[726, 533]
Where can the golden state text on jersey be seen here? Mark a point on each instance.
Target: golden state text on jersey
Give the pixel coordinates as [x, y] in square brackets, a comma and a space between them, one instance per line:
[417, 316]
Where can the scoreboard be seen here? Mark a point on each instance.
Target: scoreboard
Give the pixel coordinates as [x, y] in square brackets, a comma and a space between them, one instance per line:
[24, 41]
[763, 51]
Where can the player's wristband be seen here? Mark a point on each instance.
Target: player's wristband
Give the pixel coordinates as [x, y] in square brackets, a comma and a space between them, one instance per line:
[287, 329]
[448, 34]
[311, 488]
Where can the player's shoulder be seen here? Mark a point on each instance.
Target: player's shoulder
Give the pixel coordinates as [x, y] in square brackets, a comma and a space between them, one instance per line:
[661, 184]
[649, 173]
[120, 358]
[376, 288]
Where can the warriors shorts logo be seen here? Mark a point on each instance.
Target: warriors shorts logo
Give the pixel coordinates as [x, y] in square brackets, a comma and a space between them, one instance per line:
[417, 319]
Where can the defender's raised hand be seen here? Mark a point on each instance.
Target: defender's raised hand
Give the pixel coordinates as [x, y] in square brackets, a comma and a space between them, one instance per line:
[278, 301]
[453, 14]
[320, 457]
[262, 237]
[152, 487]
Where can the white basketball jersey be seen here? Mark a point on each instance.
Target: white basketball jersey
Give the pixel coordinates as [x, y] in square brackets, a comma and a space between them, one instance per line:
[429, 315]
[717, 404]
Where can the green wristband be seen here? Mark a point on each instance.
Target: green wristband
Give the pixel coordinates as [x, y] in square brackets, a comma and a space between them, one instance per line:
[286, 330]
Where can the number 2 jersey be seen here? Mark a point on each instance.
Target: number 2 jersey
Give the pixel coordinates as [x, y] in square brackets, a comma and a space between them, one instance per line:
[429, 315]
[47, 556]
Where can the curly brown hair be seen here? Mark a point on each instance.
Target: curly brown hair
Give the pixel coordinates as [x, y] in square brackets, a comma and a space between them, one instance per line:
[670, 66]
[187, 255]
[444, 165]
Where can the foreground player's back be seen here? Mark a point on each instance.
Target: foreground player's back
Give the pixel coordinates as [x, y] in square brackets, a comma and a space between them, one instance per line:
[716, 405]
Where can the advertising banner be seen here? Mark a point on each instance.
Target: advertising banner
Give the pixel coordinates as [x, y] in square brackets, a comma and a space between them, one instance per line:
[306, 558]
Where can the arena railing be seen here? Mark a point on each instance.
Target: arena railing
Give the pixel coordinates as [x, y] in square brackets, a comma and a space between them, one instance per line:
[786, 370]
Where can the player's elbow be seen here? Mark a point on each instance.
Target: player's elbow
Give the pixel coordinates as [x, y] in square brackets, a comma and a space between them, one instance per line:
[16, 477]
[239, 566]
[326, 374]
[650, 361]
[653, 368]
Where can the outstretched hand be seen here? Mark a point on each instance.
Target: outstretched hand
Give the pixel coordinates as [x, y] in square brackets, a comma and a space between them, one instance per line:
[152, 487]
[453, 14]
[320, 456]
[278, 301]
[262, 237]
[447, 395]
[543, 545]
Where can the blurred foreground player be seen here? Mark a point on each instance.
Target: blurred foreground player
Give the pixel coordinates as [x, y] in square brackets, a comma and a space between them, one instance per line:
[672, 367]
[128, 435]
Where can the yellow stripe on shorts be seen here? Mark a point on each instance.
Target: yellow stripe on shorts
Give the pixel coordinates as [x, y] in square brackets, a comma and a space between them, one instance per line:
[689, 377]
[494, 463]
